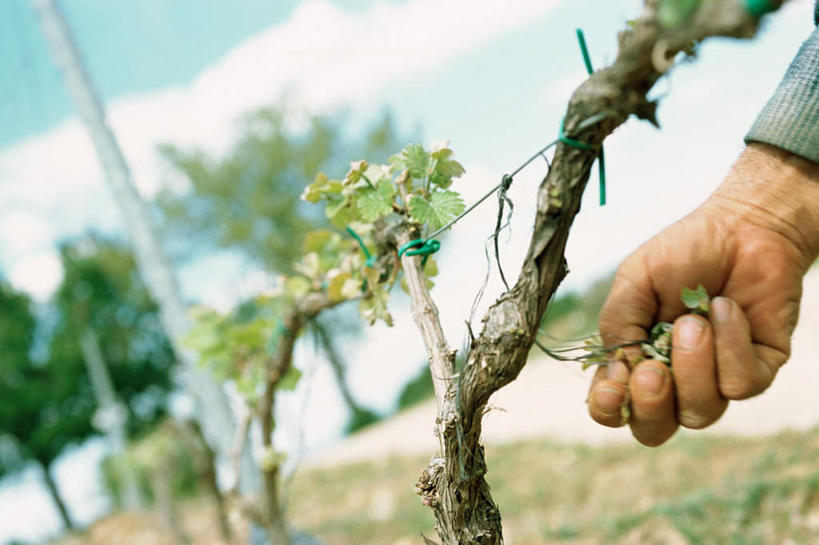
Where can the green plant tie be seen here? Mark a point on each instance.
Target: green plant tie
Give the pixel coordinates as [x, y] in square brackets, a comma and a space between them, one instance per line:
[370, 258]
[420, 246]
[601, 163]
[758, 8]
[572, 141]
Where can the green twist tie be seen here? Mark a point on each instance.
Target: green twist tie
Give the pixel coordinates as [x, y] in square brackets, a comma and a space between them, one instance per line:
[758, 8]
[601, 163]
[370, 258]
[420, 246]
[571, 141]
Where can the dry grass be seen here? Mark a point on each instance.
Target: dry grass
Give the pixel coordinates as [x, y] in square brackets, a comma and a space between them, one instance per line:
[695, 490]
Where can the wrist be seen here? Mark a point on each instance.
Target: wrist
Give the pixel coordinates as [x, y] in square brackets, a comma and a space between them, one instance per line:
[776, 190]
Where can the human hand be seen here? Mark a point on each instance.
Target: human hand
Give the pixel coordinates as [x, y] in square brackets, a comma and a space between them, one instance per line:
[749, 244]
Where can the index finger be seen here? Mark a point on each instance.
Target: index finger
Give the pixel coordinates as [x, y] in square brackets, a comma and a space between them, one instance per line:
[629, 311]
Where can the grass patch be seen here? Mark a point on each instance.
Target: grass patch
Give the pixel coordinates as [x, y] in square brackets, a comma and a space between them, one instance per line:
[697, 490]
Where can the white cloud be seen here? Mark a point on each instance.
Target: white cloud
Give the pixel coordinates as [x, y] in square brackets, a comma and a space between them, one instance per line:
[20, 231]
[322, 58]
[39, 273]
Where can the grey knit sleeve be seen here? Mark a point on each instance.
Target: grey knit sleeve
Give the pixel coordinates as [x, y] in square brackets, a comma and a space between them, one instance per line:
[790, 120]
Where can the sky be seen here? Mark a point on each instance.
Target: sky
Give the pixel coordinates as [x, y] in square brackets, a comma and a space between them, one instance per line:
[491, 76]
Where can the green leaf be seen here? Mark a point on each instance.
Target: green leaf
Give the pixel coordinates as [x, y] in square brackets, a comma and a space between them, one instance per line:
[375, 203]
[431, 267]
[340, 212]
[335, 288]
[271, 459]
[296, 286]
[696, 300]
[660, 328]
[416, 160]
[290, 380]
[321, 188]
[309, 266]
[316, 241]
[441, 208]
[357, 168]
[248, 382]
[444, 167]
[451, 169]
[374, 307]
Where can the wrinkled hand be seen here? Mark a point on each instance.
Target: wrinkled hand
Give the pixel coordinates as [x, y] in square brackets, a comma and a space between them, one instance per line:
[749, 244]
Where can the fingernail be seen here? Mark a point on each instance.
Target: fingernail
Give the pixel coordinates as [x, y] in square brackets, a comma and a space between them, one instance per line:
[649, 379]
[691, 330]
[618, 371]
[608, 400]
[721, 309]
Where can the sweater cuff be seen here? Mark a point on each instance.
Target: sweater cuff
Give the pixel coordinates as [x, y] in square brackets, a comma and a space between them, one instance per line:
[790, 120]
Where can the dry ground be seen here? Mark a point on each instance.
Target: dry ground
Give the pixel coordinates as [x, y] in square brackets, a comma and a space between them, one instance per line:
[696, 490]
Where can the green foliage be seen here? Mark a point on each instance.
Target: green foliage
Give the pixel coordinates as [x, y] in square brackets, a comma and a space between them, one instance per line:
[249, 199]
[437, 210]
[30, 414]
[48, 404]
[166, 450]
[697, 300]
[237, 345]
[102, 291]
[369, 192]
[658, 346]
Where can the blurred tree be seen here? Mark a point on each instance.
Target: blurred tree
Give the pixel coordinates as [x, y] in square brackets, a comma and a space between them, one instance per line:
[102, 293]
[250, 200]
[44, 408]
[50, 405]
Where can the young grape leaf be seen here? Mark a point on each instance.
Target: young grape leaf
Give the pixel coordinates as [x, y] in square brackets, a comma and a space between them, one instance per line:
[375, 203]
[335, 285]
[357, 168]
[316, 241]
[431, 267]
[340, 212]
[415, 159]
[321, 188]
[296, 286]
[438, 210]
[696, 300]
[290, 380]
